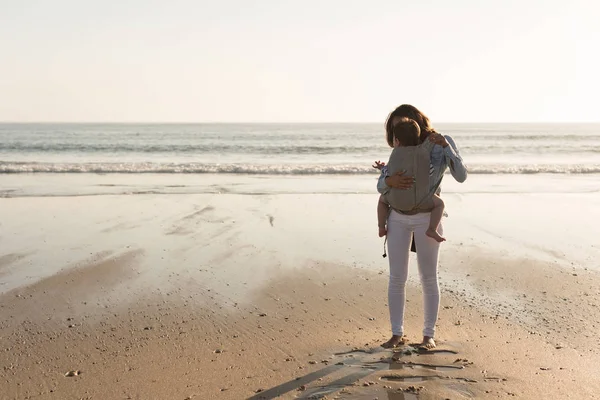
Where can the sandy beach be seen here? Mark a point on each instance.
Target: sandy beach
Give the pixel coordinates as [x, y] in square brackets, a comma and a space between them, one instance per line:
[240, 287]
[189, 192]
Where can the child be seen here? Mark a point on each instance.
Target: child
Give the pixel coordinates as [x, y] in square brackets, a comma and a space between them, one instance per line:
[406, 134]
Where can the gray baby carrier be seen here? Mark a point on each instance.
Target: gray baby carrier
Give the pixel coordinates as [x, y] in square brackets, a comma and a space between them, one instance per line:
[415, 160]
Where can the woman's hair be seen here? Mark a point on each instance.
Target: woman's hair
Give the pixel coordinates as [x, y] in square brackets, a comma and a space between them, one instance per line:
[406, 111]
[407, 132]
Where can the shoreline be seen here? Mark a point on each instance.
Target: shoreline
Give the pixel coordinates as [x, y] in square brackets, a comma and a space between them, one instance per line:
[98, 184]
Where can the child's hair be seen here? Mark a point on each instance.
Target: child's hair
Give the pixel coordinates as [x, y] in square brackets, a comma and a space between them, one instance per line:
[407, 132]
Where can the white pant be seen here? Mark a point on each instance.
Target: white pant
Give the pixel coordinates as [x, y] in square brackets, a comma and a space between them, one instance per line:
[400, 230]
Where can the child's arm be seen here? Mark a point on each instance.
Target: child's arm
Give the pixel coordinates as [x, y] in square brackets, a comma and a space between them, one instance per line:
[383, 210]
[382, 187]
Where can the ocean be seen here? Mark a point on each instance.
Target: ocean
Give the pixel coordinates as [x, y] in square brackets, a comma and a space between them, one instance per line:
[276, 149]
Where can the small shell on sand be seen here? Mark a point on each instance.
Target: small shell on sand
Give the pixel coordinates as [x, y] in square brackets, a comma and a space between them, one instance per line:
[73, 373]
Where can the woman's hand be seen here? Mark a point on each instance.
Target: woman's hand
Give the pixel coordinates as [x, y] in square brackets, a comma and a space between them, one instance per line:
[438, 139]
[399, 181]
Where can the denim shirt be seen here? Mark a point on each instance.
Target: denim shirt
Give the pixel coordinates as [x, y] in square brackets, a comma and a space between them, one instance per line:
[441, 158]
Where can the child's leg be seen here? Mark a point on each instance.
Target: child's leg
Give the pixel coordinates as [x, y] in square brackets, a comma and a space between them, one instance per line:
[436, 218]
[383, 210]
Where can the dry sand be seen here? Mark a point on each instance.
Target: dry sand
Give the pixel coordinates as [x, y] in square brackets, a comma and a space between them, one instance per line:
[256, 296]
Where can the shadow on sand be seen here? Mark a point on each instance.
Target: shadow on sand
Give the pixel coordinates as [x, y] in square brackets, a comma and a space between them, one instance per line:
[357, 364]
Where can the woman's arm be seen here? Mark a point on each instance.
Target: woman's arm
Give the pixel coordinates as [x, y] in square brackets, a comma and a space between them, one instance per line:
[452, 156]
[458, 169]
[397, 181]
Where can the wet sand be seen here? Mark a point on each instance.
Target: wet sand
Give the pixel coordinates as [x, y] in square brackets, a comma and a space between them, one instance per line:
[234, 296]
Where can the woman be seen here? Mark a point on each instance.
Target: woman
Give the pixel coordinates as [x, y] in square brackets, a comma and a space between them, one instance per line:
[402, 228]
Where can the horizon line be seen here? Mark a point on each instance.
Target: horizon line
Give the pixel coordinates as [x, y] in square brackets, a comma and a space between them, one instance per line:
[281, 122]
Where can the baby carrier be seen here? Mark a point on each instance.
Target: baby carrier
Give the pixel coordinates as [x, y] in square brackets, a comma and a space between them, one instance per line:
[415, 161]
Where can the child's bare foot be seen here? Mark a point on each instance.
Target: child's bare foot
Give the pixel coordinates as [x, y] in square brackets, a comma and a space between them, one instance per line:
[382, 232]
[394, 341]
[432, 233]
[428, 343]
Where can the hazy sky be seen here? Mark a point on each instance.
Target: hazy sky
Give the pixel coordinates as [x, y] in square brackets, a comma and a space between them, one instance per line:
[301, 60]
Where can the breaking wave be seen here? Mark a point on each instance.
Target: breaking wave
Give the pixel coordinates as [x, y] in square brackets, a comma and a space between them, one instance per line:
[264, 169]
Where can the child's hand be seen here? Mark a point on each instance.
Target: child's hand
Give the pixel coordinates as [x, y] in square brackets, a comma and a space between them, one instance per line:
[382, 232]
[378, 165]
